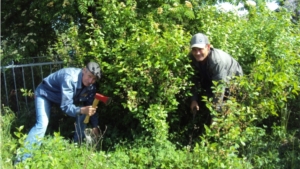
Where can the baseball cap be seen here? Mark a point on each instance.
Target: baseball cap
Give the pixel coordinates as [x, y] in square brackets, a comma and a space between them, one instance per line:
[94, 68]
[199, 40]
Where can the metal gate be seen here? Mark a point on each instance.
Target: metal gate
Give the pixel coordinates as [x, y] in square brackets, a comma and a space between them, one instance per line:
[14, 78]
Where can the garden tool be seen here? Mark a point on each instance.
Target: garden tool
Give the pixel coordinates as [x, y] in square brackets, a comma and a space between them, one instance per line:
[98, 97]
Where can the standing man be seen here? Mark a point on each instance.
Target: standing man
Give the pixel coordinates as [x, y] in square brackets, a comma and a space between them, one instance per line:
[210, 65]
[67, 87]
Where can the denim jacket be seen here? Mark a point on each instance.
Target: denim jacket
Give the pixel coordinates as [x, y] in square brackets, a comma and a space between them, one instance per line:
[65, 88]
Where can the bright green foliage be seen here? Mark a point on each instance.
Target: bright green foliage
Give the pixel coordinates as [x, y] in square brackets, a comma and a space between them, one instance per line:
[140, 59]
[8, 145]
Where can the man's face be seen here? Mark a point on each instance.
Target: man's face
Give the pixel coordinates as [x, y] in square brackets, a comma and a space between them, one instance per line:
[88, 78]
[200, 53]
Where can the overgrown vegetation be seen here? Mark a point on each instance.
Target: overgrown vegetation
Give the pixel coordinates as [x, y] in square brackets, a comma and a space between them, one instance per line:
[142, 48]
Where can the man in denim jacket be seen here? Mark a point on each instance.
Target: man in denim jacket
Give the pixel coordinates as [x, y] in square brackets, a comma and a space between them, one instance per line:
[210, 65]
[67, 87]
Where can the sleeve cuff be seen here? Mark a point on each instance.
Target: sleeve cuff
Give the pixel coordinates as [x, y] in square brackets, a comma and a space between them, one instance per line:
[78, 111]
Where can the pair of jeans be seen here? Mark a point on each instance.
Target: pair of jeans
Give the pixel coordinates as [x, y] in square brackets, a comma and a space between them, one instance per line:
[37, 132]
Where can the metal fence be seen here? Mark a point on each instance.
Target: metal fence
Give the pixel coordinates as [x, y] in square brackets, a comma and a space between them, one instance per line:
[14, 78]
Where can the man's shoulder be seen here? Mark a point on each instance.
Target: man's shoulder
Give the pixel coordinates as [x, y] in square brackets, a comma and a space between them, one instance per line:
[218, 55]
[218, 52]
[70, 71]
[71, 74]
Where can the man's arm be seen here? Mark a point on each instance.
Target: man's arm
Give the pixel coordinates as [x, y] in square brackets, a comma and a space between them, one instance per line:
[219, 74]
[195, 79]
[67, 104]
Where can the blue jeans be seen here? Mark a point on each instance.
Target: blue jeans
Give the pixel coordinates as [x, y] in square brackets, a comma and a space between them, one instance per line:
[37, 132]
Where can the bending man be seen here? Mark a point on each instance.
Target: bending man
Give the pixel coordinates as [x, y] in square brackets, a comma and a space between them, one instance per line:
[210, 65]
[68, 87]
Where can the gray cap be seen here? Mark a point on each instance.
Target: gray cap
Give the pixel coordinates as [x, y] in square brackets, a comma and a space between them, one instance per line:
[199, 40]
[94, 68]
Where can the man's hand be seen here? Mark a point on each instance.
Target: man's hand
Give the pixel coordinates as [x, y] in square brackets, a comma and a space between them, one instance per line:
[194, 105]
[88, 110]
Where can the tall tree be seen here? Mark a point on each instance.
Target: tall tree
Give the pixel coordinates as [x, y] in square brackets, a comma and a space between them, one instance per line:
[28, 27]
